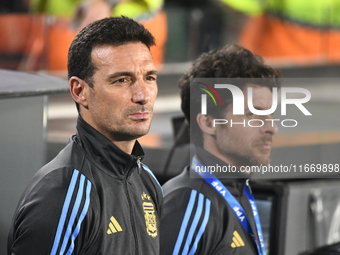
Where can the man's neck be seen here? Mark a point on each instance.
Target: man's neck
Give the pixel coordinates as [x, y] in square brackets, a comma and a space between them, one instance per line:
[126, 146]
[212, 148]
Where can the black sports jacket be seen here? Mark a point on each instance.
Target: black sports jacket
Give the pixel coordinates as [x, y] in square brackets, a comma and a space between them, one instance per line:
[197, 220]
[91, 199]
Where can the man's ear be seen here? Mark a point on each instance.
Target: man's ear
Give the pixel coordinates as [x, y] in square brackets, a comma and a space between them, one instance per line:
[78, 89]
[205, 122]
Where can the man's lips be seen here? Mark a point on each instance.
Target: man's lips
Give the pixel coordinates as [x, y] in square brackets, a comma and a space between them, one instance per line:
[140, 115]
[265, 145]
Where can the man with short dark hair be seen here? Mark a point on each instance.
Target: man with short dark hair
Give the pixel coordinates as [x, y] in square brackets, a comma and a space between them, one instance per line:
[96, 197]
[215, 213]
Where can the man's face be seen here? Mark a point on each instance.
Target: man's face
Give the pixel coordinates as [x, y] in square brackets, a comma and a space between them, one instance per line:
[120, 105]
[244, 146]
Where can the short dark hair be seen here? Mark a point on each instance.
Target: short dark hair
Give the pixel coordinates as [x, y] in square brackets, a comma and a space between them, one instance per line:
[232, 61]
[113, 31]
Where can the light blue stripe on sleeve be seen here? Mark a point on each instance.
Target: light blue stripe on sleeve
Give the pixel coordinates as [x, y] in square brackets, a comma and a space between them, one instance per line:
[73, 214]
[202, 228]
[146, 168]
[64, 212]
[81, 218]
[185, 222]
[194, 223]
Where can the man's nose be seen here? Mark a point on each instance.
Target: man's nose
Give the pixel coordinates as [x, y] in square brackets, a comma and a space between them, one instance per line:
[140, 92]
[269, 126]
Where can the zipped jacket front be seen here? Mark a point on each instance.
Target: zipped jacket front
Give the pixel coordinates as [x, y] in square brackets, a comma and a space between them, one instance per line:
[93, 198]
[196, 219]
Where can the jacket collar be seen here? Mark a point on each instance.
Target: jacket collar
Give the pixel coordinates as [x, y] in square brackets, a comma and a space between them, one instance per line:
[104, 153]
[233, 180]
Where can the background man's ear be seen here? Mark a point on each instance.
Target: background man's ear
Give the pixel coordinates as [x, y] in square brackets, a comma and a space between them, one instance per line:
[78, 89]
[206, 123]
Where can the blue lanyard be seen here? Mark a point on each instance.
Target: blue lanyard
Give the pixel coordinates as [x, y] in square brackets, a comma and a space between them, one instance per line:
[234, 204]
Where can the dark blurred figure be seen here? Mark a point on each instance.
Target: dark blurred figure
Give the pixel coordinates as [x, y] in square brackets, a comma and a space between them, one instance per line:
[206, 213]
[14, 6]
[332, 249]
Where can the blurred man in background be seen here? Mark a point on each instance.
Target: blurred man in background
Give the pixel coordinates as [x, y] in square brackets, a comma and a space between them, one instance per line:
[216, 214]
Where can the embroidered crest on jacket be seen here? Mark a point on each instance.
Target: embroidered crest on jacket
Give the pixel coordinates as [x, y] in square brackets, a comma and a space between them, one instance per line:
[149, 214]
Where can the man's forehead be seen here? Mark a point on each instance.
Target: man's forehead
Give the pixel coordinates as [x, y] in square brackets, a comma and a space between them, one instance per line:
[123, 57]
[261, 96]
[254, 86]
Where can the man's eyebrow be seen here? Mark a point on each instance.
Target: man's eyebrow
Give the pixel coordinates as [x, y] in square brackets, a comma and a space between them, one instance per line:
[152, 72]
[257, 108]
[119, 74]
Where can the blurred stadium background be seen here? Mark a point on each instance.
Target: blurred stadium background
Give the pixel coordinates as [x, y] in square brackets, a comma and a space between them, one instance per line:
[300, 38]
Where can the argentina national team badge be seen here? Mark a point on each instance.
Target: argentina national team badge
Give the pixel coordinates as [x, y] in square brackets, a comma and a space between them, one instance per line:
[150, 217]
